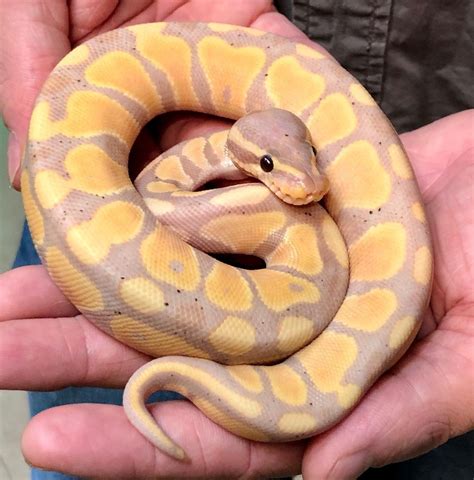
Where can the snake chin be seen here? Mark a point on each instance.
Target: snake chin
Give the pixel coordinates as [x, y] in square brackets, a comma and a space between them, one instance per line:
[310, 197]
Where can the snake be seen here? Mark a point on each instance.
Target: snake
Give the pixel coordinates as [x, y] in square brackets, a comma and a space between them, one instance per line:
[311, 179]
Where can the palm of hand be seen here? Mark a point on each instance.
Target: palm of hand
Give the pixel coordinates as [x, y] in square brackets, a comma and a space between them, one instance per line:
[391, 423]
[409, 410]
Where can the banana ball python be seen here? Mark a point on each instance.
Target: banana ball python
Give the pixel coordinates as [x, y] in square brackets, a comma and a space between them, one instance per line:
[272, 354]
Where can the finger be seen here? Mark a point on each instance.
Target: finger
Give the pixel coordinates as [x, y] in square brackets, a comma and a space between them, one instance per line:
[54, 440]
[416, 407]
[277, 23]
[224, 11]
[90, 17]
[87, 16]
[53, 353]
[33, 40]
[29, 292]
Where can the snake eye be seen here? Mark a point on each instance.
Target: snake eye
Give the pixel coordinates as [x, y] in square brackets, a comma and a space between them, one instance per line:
[315, 152]
[266, 163]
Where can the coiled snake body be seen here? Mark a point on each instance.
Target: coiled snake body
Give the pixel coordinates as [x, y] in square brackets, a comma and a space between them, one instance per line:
[273, 354]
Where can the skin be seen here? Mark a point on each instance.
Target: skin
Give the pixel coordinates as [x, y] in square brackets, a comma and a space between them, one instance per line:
[45, 344]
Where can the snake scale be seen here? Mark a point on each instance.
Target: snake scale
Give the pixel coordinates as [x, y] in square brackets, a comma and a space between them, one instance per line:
[271, 354]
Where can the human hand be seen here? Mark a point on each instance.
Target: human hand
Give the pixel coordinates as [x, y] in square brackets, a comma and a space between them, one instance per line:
[63, 349]
[420, 403]
[34, 36]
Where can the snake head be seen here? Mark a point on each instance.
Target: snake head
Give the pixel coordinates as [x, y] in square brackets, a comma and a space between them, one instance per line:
[275, 147]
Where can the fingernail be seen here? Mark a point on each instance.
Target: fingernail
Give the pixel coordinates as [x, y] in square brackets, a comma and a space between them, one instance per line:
[13, 155]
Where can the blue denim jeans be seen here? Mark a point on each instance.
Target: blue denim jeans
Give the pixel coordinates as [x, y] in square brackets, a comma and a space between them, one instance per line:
[39, 401]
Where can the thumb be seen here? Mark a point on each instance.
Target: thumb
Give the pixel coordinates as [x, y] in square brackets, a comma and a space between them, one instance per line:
[33, 38]
[417, 406]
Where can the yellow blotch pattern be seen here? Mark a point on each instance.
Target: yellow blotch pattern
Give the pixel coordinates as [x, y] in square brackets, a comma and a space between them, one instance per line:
[400, 163]
[379, 253]
[221, 27]
[123, 72]
[234, 336]
[362, 95]
[89, 169]
[402, 331]
[92, 170]
[297, 423]
[357, 177]
[248, 195]
[422, 269]
[287, 385]
[170, 168]
[112, 224]
[77, 287]
[418, 212]
[334, 119]
[229, 423]
[327, 360]
[77, 56]
[227, 288]
[305, 51]
[299, 250]
[163, 50]
[170, 260]
[150, 340]
[142, 294]
[218, 140]
[194, 150]
[253, 229]
[51, 188]
[33, 214]
[306, 87]
[159, 207]
[247, 376]
[87, 114]
[242, 405]
[161, 187]
[293, 333]
[367, 312]
[229, 82]
[334, 241]
[281, 290]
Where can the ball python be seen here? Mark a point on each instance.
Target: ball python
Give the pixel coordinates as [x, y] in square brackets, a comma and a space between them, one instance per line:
[271, 354]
